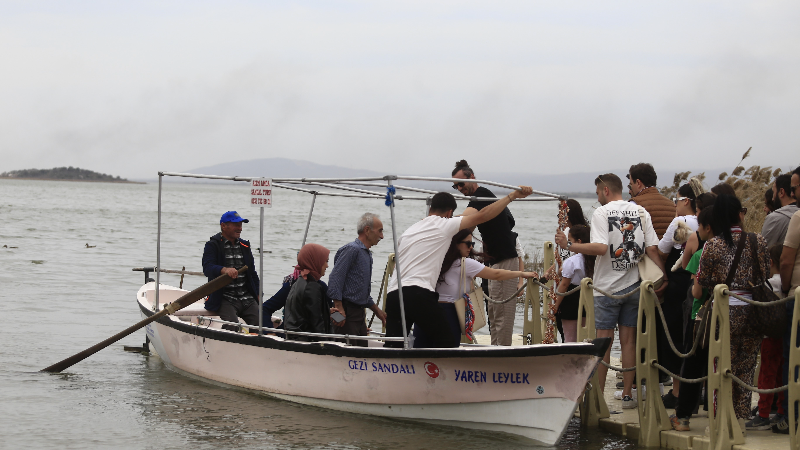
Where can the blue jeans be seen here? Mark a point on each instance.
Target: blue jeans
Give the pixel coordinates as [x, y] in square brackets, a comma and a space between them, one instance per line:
[608, 312]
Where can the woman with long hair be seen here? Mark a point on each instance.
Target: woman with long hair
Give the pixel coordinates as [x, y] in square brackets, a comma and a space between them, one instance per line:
[679, 282]
[715, 263]
[450, 288]
[574, 269]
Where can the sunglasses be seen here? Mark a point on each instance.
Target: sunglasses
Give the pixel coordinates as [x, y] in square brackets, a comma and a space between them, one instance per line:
[679, 199]
[744, 210]
[458, 186]
[469, 244]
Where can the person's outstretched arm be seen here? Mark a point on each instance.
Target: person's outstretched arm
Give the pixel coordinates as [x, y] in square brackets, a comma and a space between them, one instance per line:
[493, 210]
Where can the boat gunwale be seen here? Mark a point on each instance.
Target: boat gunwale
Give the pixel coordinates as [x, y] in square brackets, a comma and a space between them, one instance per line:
[596, 347]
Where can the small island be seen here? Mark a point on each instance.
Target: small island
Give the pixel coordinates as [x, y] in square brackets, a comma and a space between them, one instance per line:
[63, 174]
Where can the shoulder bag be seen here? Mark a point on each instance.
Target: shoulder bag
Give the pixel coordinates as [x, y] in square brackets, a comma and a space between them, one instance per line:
[648, 270]
[770, 320]
[472, 300]
[702, 322]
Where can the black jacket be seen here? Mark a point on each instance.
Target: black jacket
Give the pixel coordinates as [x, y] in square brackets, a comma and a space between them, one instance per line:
[213, 260]
[306, 310]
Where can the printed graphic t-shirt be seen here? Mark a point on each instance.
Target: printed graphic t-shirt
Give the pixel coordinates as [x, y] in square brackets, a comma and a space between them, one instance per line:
[618, 225]
[421, 251]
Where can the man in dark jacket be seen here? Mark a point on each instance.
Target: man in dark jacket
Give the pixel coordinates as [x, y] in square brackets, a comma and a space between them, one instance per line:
[225, 253]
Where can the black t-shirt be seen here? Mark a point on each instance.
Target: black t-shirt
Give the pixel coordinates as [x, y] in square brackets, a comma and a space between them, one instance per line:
[499, 242]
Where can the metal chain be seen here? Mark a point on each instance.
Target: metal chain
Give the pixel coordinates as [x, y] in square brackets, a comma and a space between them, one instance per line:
[679, 378]
[755, 303]
[753, 389]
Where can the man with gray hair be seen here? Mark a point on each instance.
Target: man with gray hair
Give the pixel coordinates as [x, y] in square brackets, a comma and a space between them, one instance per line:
[349, 281]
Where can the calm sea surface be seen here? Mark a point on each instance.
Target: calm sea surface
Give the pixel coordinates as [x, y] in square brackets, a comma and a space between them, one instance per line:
[60, 297]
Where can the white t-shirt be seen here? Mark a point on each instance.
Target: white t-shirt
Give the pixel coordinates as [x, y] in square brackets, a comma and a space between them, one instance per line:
[667, 242]
[775, 282]
[618, 225]
[450, 289]
[421, 251]
[520, 249]
[574, 268]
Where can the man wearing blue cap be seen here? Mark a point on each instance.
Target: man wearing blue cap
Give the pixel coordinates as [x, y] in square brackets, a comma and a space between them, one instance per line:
[225, 253]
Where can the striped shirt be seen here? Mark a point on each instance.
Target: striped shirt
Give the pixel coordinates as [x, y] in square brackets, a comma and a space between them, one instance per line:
[351, 275]
[237, 289]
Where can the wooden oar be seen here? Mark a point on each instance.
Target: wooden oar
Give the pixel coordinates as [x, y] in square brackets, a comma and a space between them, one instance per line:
[184, 301]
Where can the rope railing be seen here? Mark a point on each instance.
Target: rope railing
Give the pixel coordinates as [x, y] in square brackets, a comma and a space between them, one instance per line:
[741, 383]
[618, 369]
[755, 303]
[698, 336]
[513, 296]
[678, 377]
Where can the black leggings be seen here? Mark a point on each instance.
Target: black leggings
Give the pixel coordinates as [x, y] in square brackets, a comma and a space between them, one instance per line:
[422, 308]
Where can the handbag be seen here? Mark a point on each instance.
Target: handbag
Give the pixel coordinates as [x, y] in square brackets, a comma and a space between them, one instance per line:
[770, 320]
[473, 300]
[702, 322]
[648, 270]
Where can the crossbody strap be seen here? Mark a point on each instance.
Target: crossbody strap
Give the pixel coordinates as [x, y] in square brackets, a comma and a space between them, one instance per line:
[463, 283]
[757, 274]
[735, 264]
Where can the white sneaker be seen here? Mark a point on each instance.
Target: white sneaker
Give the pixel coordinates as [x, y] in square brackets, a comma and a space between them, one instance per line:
[618, 395]
[628, 402]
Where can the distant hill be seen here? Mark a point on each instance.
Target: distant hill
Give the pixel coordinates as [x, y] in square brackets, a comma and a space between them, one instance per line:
[579, 184]
[63, 173]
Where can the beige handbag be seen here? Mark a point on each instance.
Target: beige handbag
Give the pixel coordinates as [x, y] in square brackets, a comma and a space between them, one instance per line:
[476, 297]
[648, 270]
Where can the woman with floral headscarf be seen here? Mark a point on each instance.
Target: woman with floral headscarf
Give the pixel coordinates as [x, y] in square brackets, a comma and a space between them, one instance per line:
[306, 307]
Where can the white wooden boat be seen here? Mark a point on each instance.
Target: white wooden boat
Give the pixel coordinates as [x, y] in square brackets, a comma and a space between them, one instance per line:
[529, 391]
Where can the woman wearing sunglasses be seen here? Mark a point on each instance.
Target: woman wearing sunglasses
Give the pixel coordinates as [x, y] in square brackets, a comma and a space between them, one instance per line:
[449, 285]
[679, 283]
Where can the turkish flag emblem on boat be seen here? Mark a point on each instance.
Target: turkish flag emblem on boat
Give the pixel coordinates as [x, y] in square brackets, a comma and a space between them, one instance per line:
[431, 369]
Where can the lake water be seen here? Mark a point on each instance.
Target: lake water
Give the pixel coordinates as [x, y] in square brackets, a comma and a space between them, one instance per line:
[60, 297]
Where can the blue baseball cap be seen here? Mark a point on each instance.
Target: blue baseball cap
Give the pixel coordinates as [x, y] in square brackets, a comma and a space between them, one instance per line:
[232, 216]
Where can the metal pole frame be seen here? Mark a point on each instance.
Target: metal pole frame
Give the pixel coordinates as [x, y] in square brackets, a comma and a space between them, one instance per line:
[261, 272]
[310, 212]
[158, 241]
[406, 344]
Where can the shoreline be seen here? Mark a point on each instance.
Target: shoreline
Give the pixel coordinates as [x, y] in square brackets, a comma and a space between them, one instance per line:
[72, 179]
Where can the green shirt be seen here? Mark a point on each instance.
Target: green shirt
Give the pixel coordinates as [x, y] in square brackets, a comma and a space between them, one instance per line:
[693, 266]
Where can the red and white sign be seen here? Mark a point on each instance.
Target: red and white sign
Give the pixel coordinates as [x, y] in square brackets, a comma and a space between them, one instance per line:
[261, 192]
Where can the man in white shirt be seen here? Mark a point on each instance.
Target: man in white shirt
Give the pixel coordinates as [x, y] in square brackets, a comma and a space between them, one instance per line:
[421, 250]
[622, 233]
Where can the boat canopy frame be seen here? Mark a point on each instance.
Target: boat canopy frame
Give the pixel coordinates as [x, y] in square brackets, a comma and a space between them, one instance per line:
[343, 184]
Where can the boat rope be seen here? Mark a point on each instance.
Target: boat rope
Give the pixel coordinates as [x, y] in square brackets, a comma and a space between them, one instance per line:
[741, 383]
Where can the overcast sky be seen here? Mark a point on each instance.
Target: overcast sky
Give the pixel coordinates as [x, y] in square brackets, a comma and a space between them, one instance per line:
[130, 88]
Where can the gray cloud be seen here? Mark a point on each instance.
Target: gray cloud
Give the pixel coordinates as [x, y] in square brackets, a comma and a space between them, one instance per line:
[408, 87]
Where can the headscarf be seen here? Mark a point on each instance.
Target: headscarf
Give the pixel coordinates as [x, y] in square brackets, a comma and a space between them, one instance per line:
[310, 260]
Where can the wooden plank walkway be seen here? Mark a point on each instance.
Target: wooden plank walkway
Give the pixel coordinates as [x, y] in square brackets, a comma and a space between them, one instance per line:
[625, 422]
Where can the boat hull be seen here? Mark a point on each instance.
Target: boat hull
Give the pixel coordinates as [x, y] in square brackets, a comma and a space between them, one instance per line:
[529, 391]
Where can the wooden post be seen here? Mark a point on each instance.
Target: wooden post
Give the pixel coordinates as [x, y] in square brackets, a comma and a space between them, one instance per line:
[385, 284]
[724, 430]
[531, 322]
[653, 416]
[794, 383]
[593, 406]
